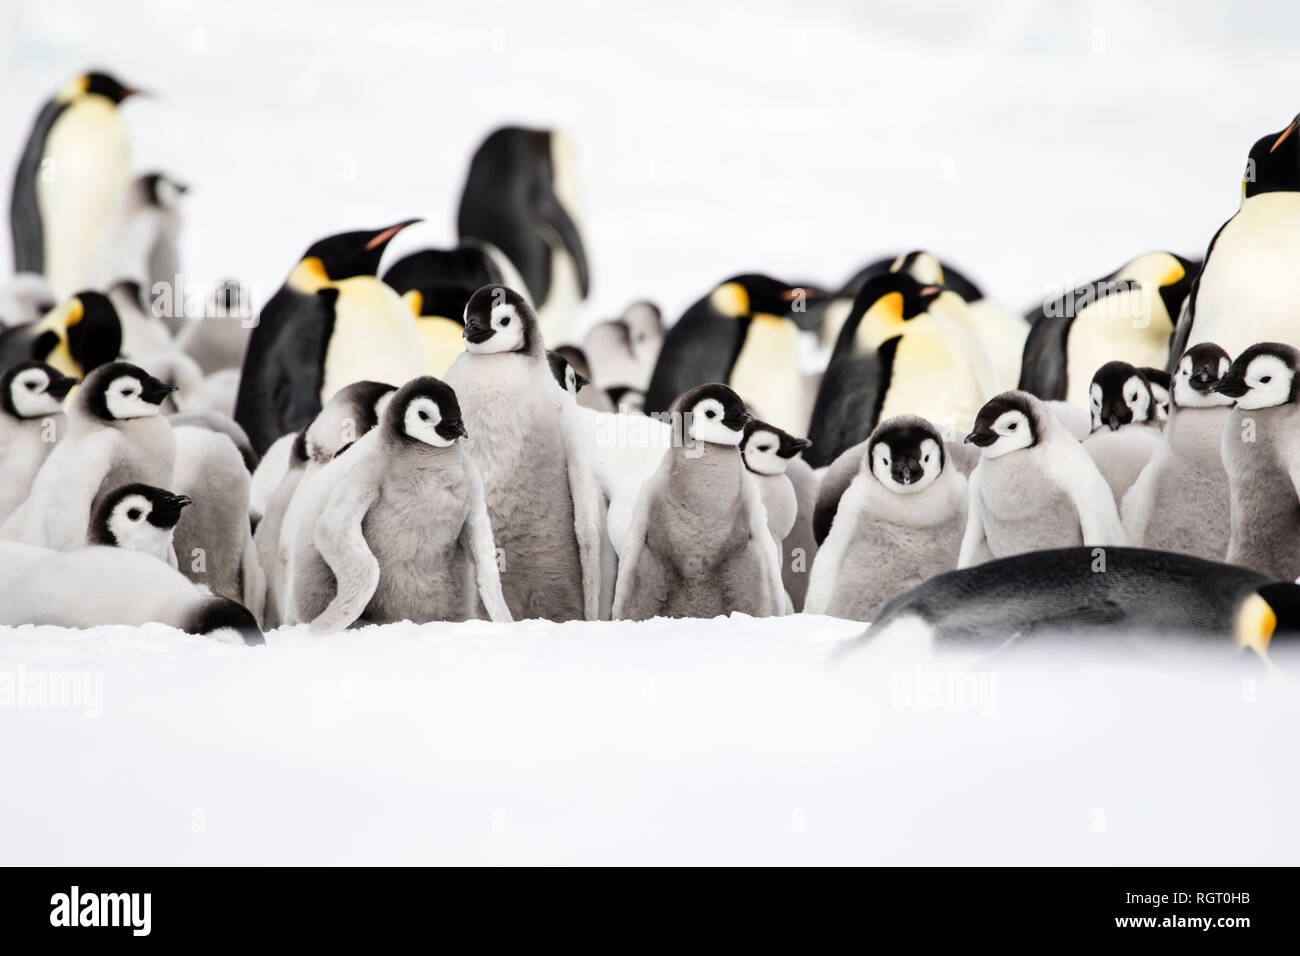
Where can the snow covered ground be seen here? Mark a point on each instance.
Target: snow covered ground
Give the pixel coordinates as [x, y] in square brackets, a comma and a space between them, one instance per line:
[731, 741]
[1034, 145]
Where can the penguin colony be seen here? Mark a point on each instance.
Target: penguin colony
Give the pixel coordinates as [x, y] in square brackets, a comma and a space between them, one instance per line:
[427, 439]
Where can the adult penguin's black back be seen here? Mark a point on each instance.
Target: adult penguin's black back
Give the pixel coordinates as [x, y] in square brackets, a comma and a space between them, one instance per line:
[510, 201]
[856, 381]
[700, 347]
[24, 213]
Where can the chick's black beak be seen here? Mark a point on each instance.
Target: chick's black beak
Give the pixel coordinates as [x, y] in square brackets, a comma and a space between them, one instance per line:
[1201, 379]
[155, 391]
[476, 331]
[982, 439]
[457, 428]
[738, 420]
[794, 446]
[60, 387]
[167, 511]
[1234, 386]
[580, 382]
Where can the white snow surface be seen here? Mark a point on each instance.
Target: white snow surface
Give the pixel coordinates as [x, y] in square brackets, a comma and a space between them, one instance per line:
[1034, 145]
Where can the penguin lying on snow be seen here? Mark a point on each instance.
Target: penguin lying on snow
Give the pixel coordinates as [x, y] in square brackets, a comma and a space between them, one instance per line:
[548, 526]
[900, 522]
[1035, 487]
[1181, 501]
[397, 528]
[72, 173]
[137, 517]
[742, 333]
[332, 323]
[698, 544]
[115, 437]
[31, 417]
[115, 586]
[1247, 290]
[1261, 453]
[905, 349]
[1125, 433]
[1140, 594]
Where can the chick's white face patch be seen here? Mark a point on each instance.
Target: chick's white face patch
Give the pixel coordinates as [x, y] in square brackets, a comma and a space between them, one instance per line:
[1014, 433]
[421, 422]
[124, 399]
[898, 475]
[28, 394]
[1269, 378]
[507, 328]
[760, 452]
[129, 525]
[707, 424]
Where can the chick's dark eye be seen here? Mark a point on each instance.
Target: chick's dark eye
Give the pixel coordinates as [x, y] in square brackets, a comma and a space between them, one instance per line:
[505, 321]
[134, 514]
[32, 386]
[764, 447]
[424, 416]
[1011, 427]
[710, 414]
[1266, 379]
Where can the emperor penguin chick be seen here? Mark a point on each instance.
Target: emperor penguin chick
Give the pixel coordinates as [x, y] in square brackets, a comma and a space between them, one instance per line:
[115, 437]
[766, 451]
[1261, 453]
[31, 417]
[214, 541]
[528, 441]
[899, 523]
[698, 544]
[118, 586]
[1035, 487]
[137, 517]
[1125, 431]
[397, 528]
[1181, 501]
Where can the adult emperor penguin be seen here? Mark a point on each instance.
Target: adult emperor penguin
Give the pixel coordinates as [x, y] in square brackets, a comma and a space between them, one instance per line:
[31, 418]
[1035, 487]
[1140, 597]
[1181, 501]
[138, 517]
[1261, 451]
[698, 544]
[214, 542]
[905, 349]
[1128, 315]
[742, 333]
[397, 527]
[117, 586]
[437, 284]
[1125, 433]
[115, 437]
[75, 337]
[332, 323]
[900, 522]
[1001, 332]
[72, 173]
[351, 413]
[1248, 287]
[548, 528]
[521, 198]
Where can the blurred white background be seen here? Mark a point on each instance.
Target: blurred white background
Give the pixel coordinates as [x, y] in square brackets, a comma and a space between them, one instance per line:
[1034, 145]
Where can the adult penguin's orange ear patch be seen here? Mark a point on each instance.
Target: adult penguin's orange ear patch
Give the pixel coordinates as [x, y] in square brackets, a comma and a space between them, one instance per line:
[1256, 622]
[731, 299]
[1285, 133]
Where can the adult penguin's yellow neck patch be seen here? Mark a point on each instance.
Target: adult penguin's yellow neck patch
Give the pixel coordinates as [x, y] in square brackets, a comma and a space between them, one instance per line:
[1256, 622]
[414, 301]
[74, 89]
[309, 276]
[731, 299]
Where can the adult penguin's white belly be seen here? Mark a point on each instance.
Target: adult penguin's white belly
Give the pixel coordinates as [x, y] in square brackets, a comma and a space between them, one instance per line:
[560, 312]
[766, 374]
[87, 166]
[375, 338]
[1130, 326]
[1251, 283]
